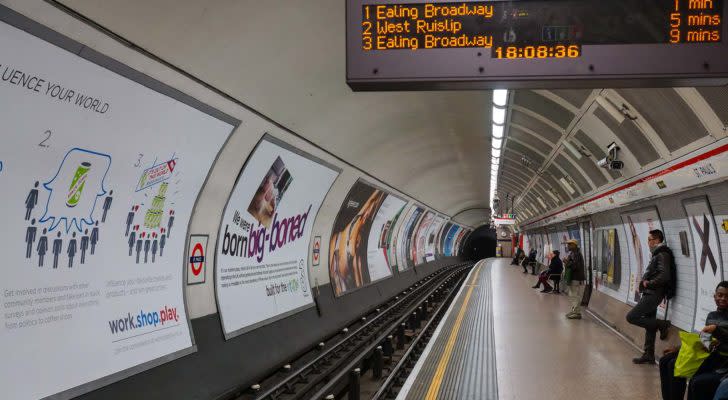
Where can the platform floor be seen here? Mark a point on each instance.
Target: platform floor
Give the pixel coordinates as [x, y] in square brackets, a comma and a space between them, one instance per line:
[503, 340]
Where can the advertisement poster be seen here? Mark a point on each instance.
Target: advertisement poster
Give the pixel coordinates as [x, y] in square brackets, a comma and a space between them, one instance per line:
[706, 249]
[265, 233]
[575, 234]
[637, 225]
[442, 236]
[358, 250]
[609, 261]
[392, 235]
[405, 240]
[450, 240]
[100, 176]
[431, 238]
[457, 248]
[419, 239]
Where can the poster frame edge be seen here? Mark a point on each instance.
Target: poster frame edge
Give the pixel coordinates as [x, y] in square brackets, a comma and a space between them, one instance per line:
[622, 214]
[281, 143]
[683, 203]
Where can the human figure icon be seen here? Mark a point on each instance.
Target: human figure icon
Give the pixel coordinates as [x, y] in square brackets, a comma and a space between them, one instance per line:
[42, 247]
[170, 222]
[94, 237]
[155, 246]
[71, 250]
[84, 246]
[130, 219]
[30, 238]
[138, 249]
[132, 240]
[162, 242]
[147, 245]
[57, 248]
[107, 205]
[31, 200]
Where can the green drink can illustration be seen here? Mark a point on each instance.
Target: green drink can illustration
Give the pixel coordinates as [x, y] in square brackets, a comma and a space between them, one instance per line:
[77, 184]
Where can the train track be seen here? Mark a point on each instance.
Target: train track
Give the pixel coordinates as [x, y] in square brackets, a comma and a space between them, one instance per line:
[332, 369]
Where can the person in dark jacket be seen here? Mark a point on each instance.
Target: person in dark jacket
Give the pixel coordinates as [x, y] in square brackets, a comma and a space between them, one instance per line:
[575, 272]
[652, 287]
[556, 267]
[532, 260]
[706, 380]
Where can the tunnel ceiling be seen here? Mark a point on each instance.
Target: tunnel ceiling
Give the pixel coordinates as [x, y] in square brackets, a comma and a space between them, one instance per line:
[287, 60]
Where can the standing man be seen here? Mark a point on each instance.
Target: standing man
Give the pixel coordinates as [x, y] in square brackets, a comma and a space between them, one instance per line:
[31, 201]
[138, 248]
[94, 237]
[147, 245]
[155, 246]
[57, 248]
[162, 242]
[653, 288]
[30, 238]
[576, 277]
[107, 205]
[170, 222]
[84, 246]
[129, 220]
[132, 240]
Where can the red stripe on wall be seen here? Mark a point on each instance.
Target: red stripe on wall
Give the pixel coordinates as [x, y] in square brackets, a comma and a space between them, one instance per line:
[680, 165]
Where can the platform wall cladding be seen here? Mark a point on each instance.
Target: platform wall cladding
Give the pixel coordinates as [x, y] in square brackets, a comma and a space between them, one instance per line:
[160, 238]
[695, 223]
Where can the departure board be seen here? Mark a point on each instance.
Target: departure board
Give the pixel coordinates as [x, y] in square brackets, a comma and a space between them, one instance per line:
[434, 41]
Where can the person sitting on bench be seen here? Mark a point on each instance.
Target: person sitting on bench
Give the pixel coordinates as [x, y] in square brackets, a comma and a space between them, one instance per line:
[531, 260]
[553, 273]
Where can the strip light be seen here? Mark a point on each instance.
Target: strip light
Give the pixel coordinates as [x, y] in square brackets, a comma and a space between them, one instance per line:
[500, 103]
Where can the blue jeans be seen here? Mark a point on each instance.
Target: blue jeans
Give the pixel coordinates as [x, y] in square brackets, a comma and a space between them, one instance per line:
[722, 393]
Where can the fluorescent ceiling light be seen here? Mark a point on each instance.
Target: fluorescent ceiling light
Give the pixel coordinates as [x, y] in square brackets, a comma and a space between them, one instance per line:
[610, 108]
[496, 153]
[500, 97]
[540, 200]
[495, 160]
[498, 131]
[567, 185]
[499, 115]
[572, 149]
[556, 199]
[497, 143]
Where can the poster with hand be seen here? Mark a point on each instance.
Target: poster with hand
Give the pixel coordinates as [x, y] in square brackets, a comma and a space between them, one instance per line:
[358, 249]
[100, 178]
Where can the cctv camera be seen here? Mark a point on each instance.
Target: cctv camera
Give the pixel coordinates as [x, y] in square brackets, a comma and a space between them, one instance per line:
[603, 163]
[616, 165]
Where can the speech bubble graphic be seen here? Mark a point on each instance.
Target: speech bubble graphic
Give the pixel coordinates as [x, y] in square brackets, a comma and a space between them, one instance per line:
[74, 190]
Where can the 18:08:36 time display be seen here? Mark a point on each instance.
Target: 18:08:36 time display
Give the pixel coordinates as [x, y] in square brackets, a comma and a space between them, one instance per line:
[535, 52]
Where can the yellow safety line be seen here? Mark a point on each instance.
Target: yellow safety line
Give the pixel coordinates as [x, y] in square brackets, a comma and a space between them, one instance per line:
[447, 353]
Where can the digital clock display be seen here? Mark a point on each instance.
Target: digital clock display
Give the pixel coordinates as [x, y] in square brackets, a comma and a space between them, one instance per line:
[537, 52]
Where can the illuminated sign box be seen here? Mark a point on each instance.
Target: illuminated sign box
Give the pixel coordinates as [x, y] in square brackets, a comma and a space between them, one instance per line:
[535, 44]
[504, 221]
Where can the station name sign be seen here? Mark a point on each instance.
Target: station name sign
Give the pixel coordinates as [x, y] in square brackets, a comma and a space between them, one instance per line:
[555, 43]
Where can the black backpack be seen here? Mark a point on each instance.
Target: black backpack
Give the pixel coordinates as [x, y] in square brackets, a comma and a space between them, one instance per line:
[671, 288]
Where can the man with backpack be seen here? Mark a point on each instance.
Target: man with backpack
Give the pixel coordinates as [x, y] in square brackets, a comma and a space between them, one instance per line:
[658, 283]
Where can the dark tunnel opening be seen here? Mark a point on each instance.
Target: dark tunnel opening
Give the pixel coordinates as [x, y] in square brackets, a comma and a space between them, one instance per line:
[481, 244]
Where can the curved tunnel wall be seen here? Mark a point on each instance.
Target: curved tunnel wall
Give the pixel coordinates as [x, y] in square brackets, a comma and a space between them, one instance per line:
[218, 365]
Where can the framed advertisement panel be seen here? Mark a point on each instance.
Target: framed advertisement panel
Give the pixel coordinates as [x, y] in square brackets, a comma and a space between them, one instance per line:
[358, 250]
[102, 190]
[707, 253]
[261, 271]
[637, 225]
